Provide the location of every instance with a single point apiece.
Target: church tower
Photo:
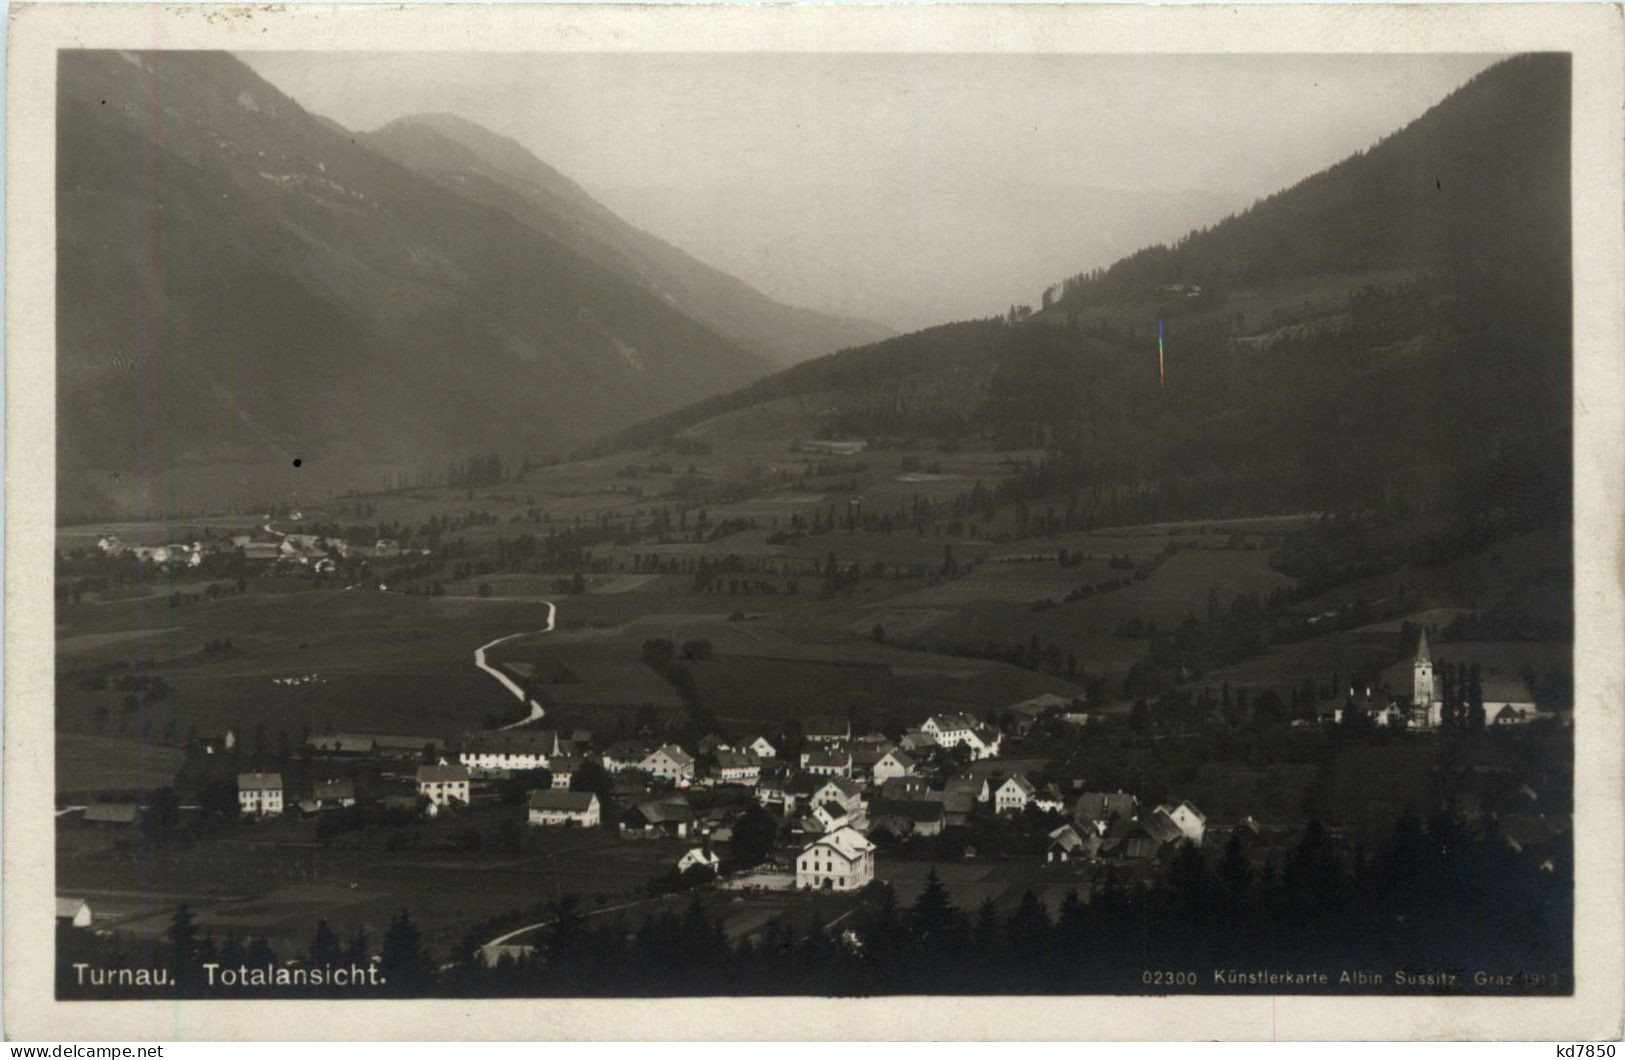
(1422, 672)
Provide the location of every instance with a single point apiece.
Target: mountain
(497, 171)
(1393, 331)
(241, 284)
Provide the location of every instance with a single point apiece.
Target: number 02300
(1156, 978)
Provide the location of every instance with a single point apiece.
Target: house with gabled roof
(699, 858)
(501, 752)
(842, 860)
(918, 742)
(830, 815)
(259, 793)
(74, 911)
(671, 816)
(905, 788)
(1068, 843)
(950, 729)
(550, 806)
(848, 793)
(825, 728)
(827, 761)
(977, 788)
(563, 770)
(1192, 823)
(1103, 807)
(671, 764)
(894, 763)
(907, 817)
(330, 793)
(759, 746)
(624, 754)
(983, 743)
(1014, 794)
(443, 785)
(738, 767)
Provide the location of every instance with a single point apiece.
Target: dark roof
(112, 812)
(333, 789)
(430, 774)
(1101, 805)
(542, 742)
(660, 811)
(826, 725)
(912, 809)
(259, 781)
(1160, 826)
(822, 757)
(568, 801)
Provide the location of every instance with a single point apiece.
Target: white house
(670, 762)
(827, 761)
(1014, 794)
(738, 767)
(698, 857)
(443, 785)
(1191, 821)
(504, 751)
(627, 754)
(75, 911)
(983, 743)
(759, 746)
(259, 793)
(898, 763)
(839, 790)
(842, 860)
(949, 730)
(564, 769)
(1066, 843)
(550, 806)
(830, 815)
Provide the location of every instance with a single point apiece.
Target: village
(822, 806)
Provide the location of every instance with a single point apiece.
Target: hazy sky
(911, 189)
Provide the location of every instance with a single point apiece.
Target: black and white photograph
(549, 524)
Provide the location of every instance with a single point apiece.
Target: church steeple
(1422, 671)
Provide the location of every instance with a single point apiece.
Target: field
(86, 765)
(808, 615)
(274, 878)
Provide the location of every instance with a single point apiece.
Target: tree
(878, 633)
(403, 963)
(325, 947)
(184, 946)
(753, 836)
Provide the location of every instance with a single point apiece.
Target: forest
(1448, 888)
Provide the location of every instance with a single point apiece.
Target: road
(536, 709)
(516, 932)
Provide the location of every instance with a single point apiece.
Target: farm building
(113, 814)
(499, 753)
(907, 817)
(670, 763)
(658, 817)
(824, 728)
(552, 807)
